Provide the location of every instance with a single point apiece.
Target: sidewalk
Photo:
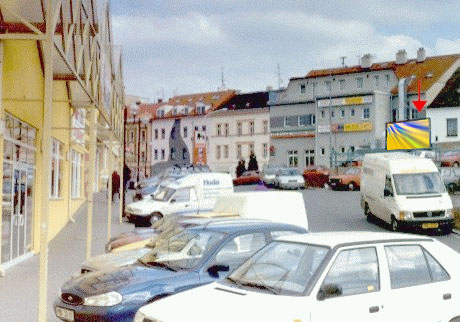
(19, 288)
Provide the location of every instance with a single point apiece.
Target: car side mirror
(215, 269)
(172, 200)
(387, 193)
(328, 291)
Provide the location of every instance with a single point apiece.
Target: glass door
(7, 202)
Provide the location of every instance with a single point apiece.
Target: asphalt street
(329, 210)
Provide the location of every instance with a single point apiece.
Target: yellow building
(61, 98)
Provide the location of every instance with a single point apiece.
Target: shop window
(76, 167)
(56, 169)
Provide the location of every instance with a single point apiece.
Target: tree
(252, 165)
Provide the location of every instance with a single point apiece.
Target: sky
(181, 47)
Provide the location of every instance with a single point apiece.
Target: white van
(189, 195)
(406, 191)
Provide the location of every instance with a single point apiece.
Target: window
(156, 134)
(332, 114)
(352, 112)
(302, 88)
(376, 81)
(218, 130)
(173, 154)
(240, 128)
(282, 233)
(314, 86)
(226, 129)
(411, 265)
(265, 150)
(342, 149)
(341, 84)
(359, 82)
(162, 154)
(355, 271)
(200, 109)
(239, 249)
(238, 151)
(342, 113)
(56, 169)
(366, 113)
(323, 114)
(293, 159)
(131, 136)
(291, 121)
(174, 111)
(306, 120)
(265, 126)
(185, 110)
(142, 156)
(196, 128)
(313, 119)
(181, 195)
(328, 86)
(185, 132)
(155, 154)
(218, 152)
(76, 174)
(251, 127)
(184, 154)
(163, 133)
(352, 148)
(251, 148)
(309, 158)
(226, 151)
(387, 78)
(203, 127)
(452, 127)
(323, 151)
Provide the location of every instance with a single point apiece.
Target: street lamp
(145, 119)
(134, 109)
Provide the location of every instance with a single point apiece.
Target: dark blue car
(196, 256)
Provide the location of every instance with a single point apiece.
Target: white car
(268, 176)
(288, 178)
(324, 277)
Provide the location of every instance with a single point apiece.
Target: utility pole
(278, 73)
(222, 86)
(342, 58)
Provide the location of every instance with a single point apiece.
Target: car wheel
(456, 164)
(367, 211)
(351, 186)
(394, 224)
(451, 188)
(447, 231)
(155, 217)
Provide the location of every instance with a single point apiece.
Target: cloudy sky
(178, 47)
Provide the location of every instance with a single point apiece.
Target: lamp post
(145, 119)
(134, 109)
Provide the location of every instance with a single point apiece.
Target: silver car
(268, 176)
(288, 178)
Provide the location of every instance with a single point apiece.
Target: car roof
(245, 224)
(333, 239)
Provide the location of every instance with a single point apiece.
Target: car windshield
(163, 194)
(418, 183)
(289, 172)
(352, 171)
(270, 171)
(182, 251)
(282, 268)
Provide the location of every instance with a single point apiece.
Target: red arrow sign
(419, 104)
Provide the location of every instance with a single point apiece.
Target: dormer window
(185, 110)
(174, 111)
(160, 113)
(200, 109)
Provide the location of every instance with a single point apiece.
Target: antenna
(222, 77)
(342, 58)
(278, 73)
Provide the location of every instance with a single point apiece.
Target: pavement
(19, 288)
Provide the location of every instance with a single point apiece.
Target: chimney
(160, 100)
(421, 55)
(401, 57)
(366, 61)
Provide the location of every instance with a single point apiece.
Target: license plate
(430, 225)
(67, 315)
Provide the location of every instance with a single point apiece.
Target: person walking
(115, 184)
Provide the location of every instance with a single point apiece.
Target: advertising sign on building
(357, 127)
(77, 133)
(324, 128)
(341, 101)
(199, 147)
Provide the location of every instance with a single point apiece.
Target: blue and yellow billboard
(413, 134)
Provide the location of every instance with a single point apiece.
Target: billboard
(411, 134)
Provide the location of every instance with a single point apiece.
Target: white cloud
(445, 46)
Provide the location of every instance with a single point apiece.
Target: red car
(248, 177)
(316, 176)
(450, 159)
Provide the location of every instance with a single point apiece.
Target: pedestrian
(126, 179)
(240, 168)
(115, 184)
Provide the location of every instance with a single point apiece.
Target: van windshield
(418, 183)
(163, 194)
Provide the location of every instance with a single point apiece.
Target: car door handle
(374, 309)
(447, 296)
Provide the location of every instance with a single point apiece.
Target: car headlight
(449, 213)
(405, 215)
(106, 299)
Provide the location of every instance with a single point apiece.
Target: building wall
(439, 118)
(258, 139)
(22, 97)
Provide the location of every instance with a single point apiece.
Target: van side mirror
(387, 193)
(215, 269)
(328, 291)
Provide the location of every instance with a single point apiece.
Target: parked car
(197, 256)
(450, 159)
(248, 177)
(316, 176)
(289, 178)
(350, 180)
(268, 176)
(324, 277)
(406, 192)
(451, 178)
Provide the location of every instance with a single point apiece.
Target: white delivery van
(405, 191)
(189, 195)
(281, 206)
